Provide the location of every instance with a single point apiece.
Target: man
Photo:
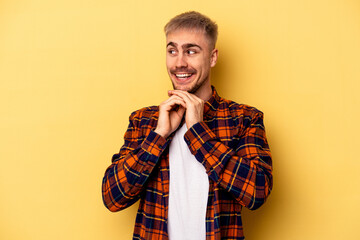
(196, 159)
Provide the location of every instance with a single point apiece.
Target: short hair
(196, 21)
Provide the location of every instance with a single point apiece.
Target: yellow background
(72, 71)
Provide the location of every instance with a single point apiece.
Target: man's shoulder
(240, 109)
(145, 112)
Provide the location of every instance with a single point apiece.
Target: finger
(191, 96)
(172, 98)
(171, 92)
(175, 101)
(181, 111)
(184, 95)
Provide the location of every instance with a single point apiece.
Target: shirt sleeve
(244, 170)
(124, 179)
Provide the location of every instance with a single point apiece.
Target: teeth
(183, 75)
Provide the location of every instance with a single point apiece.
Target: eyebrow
(188, 45)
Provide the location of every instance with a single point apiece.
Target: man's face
(189, 59)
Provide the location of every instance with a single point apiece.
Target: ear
(213, 57)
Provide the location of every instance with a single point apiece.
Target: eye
(171, 51)
(190, 52)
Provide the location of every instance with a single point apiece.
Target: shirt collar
(212, 104)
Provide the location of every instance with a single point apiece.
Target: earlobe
(214, 56)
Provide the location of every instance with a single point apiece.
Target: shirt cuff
(197, 135)
(154, 144)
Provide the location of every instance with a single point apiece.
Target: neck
(205, 91)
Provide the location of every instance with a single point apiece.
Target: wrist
(161, 133)
(190, 124)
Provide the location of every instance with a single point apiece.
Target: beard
(191, 89)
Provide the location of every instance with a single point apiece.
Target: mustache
(182, 70)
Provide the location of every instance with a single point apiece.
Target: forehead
(187, 36)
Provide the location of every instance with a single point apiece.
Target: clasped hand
(172, 110)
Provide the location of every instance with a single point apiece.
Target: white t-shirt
(188, 192)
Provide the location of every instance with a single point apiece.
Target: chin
(190, 87)
(183, 88)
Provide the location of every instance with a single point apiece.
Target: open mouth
(183, 76)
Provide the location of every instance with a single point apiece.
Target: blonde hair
(194, 21)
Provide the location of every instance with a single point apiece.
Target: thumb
(181, 111)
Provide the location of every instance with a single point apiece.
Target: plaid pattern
(231, 145)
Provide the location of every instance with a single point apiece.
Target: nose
(181, 61)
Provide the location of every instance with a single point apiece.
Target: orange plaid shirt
(231, 145)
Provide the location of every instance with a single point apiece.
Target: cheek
(170, 62)
(195, 63)
(203, 65)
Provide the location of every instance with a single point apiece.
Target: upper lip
(182, 71)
